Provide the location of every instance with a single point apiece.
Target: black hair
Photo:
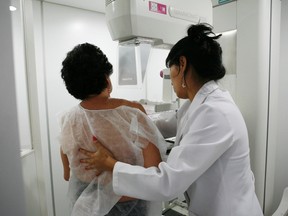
(202, 52)
(85, 70)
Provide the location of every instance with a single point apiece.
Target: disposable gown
(125, 131)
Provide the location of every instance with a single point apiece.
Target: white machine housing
(160, 23)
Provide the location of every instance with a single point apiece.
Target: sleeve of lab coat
(207, 136)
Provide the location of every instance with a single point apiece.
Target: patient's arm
(151, 153)
(151, 156)
(65, 164)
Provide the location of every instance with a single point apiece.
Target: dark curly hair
(85, 70)
(201, 50)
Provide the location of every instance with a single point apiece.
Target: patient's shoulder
(134, 104)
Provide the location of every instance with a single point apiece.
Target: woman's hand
(102, 159)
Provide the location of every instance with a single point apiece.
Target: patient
(121, 125)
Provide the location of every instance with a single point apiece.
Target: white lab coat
(210, 161)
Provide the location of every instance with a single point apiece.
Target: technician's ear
(183, 63)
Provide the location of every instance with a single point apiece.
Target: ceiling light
(12, 8)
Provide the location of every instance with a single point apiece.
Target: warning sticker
(157, 7)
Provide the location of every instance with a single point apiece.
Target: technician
(210, 162)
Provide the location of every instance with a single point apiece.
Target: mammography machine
(158, 22)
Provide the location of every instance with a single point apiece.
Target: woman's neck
(95, 102)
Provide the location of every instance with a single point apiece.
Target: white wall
(244, 84)
(253, 65)
(20, 76)
(43, 148)
(31, 185)
(262, 93)
(277, 175)
(12, 201)
(261, 87)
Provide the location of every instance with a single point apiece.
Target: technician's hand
(102, 159)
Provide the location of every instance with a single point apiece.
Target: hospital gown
(125, 131)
